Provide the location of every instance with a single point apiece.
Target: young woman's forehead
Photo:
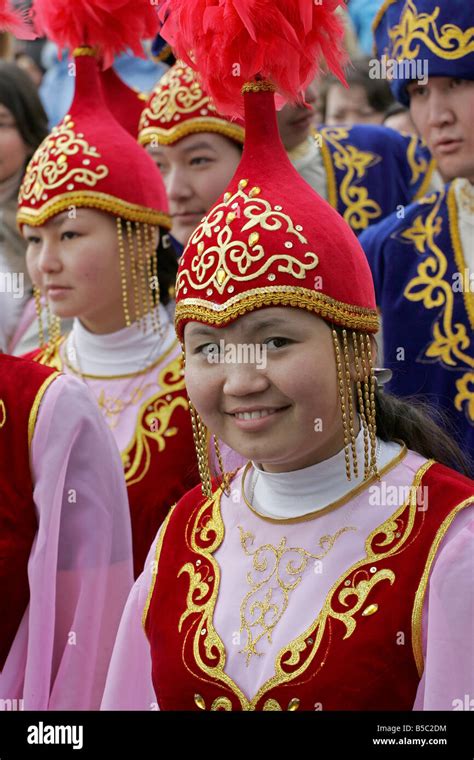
(278, 317)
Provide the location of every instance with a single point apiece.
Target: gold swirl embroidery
(155, 418)
(50, 167)
(268, 560)
(155, 422)
(465, 394)
(234, 259)
(178, 93)
(419, 165)
(451, 342)
(359, 590)
(449, 42)
(3, 413)
(359, 208)
(360, 586)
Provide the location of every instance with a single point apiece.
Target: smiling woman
(268, 585)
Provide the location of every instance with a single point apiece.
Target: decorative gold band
(170, 136)
(83, 51)
(91, 199)
(36, 405)
(345, 315)
(262, 86)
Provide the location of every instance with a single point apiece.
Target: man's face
(443, 112)
(295, 122)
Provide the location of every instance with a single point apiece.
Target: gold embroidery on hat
(240, 258)
(50, 168)
(449, 42)
(179, 92)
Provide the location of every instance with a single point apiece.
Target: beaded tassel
(342, 396)
(123, 272)
(133, 269)
(37, 297)
(365, 389)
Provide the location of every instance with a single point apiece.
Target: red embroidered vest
(22, 385)
(352, 658)
(160, 463)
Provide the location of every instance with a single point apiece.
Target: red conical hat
(89, 160)
(178, 107)
(125, 103)
(270, 239)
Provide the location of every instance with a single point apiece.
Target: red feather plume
(113, 26)
(230, 42)
(16, 22)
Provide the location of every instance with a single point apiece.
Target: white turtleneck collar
(126, 351)
(292, 494)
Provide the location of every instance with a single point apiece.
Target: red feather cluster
(230, 42)
(113, 26)
(15, 21)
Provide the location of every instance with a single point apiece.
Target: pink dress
(80, 566)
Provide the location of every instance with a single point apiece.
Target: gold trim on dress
(212, 641)
(416, 624)
(354, 163)
(36, 405)
(157, 408)
(159, 544)
(335, 504)
(458, 250)
(449, 343)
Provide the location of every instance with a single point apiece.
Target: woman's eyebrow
(197, 146)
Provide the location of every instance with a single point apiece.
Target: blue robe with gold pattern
(427, 303)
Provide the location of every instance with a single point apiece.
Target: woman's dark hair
(423, 428)
(379, 95)
(19, 94)
(167, 266)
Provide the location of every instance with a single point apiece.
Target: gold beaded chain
(123, 272)
(143, 265)
(201, 444)
(361, 404)
(132, 260)
(365, 385)
(342, 402)
(37, 297)
(351, 404)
